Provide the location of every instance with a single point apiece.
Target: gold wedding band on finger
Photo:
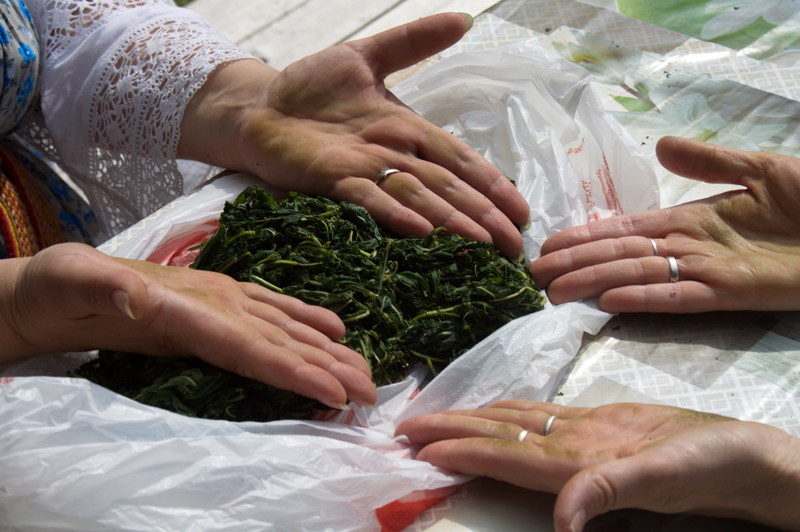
(548, 426)
(655, 247)
(383, 174)
(673, 269)
(522, 435)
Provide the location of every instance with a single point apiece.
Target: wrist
(771, 495)
(216, 117)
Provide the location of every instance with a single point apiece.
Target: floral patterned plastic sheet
(729, 75)
(765, 30)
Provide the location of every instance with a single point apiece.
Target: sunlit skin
(327, 125)
(71, 297)
(650, 457)
(739, 250)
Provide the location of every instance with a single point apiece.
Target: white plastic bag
(74, 456)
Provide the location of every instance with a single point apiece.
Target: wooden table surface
(282, 31)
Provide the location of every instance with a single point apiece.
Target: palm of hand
(586, 437)
(327, 125)
(581, 438)
(616, 456)
(335, 115)
(747, 247)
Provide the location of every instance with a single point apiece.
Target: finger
(447, 151)
(510, 461)
(444, 201)
(417, 201)
(595, 280)
(421, 199)
(249, 354)
(309, 324)
(357, 383)
(708, 162)
(259, 350)
(681, 297)
(406, 45)
(304, 334)
(531, 420)
(461, 198)
(456, 174)
(652, 224)
(319, 318)
(555, 264)
(386, 210)
(551, 409)
(541, 421)
(434, 427)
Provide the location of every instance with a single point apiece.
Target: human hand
(739, 250)
(71, 297)
(649, 457)
(327, 125)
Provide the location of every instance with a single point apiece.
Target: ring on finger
(548, 426)
(522, 435)
(383, 174)
(655, 247)
(674, 274)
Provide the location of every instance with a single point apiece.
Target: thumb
(117, 289)
(86, 281)
(643, 481)
(708, 162)
(406, 45)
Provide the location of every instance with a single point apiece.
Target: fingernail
(123, 303)
(578, 521)
(468, 19)
(338, 406)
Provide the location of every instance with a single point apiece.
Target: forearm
(775, 501)
(214, 120)
(754, 477)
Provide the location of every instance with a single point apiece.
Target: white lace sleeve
(116, 76)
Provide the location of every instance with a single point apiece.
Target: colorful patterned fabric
(27, 223)
(37, 207)
(20, 62)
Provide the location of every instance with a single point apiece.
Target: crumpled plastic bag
(74, 456)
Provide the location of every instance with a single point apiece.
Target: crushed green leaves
(404, 301)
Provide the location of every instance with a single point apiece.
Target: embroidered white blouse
(116, 76)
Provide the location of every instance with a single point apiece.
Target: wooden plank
(413, 9)
(314, 26)
(241, 19)
(283, 31)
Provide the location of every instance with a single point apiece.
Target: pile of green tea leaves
(404, 301)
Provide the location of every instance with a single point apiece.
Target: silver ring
(549, 425)
(522, 435)
(673, 269)
(655, 248)
(383, 174)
